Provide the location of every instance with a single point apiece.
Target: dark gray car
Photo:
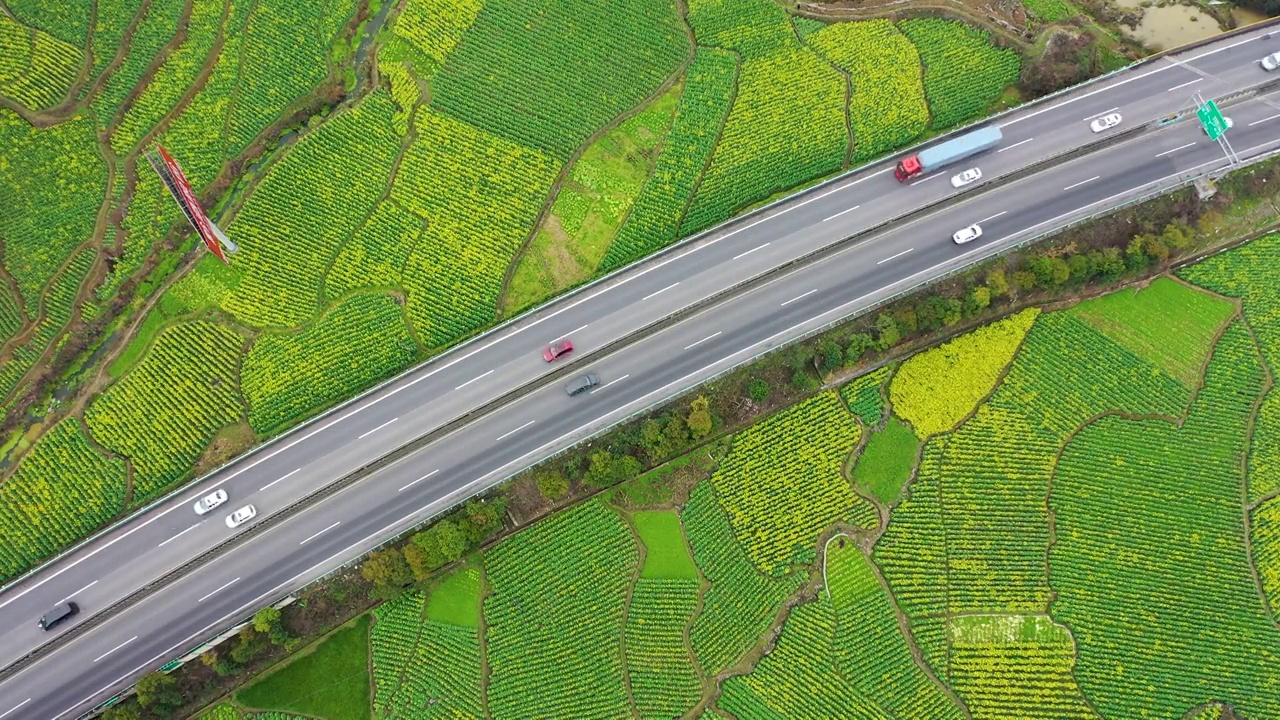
(59, 613)
(582, 384)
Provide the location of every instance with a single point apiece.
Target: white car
(241, 516)
(210, 501)
(966, 177)
(1270, 62)
(1106, 122)
(973, 232)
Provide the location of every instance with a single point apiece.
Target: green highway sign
(1211, 118)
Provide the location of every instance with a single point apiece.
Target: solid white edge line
(892, 257)
(763, 343)
(615, 380)
(993, 217)
(1082, 182)
(1174, 150)
(180, 534)
(513, 432)
(842, 212)
(415, 482)
(798, 297)
(758, 247)
(15, 707)
(478, 377)
(215, 592)
(696, 344)
(1185, 84)
(286, 476)
(659, 292)
(1010, 147)
(1162, 68)
(377, 428)
(313, 537)
(126, 642)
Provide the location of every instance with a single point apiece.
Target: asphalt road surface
(90, 667)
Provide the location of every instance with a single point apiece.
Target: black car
(60, 612)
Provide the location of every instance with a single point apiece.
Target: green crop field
(503, 151)
(1078, 543)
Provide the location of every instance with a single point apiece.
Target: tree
(449, 538)
(676, 434)
(651, 438)
(1107, 262)
(1080, 267)
(269, 621)
(1155, 249)
(859, 344)
(888, 333)
(626, 467)
(1135, 255)
(483, 518)
(997, 283)
(552, 484)
(758, 390)
(930, 312)
(248, 643)
(907, 320)
(1024, 279)
(951, 311)
(123, 711)
(1177, 235)
(830, 355)
(421, 562)
(219, 662)
(387, 570)
(158, 691)
(1050, 272)
(977, 300)
(600, 469)
(700, 422)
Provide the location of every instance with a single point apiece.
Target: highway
(286, 555)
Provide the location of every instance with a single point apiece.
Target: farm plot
(886, 461)
(434, 27)
(66, 20)
(62, 491)
(36, 69)
(887, 107)
(686, 150)
(865, 395)
(787, 122)
(1145, 509)
(157, 28)
(164, 412)
(555, 615)
(659, 664)
(741, 602)
(374, 257)
(357, 343)
(1006, 666)
(302, 212)
(546, 76)
(480, 195)
(934, 390)
(1166, 322)
(45, 221)
(782, 482)
(870, 650)
(963, 71)
(329, 681)
(1252, 273)
(1264, 528)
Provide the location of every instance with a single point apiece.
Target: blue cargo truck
(953, 150)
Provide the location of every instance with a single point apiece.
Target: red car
(556, 349)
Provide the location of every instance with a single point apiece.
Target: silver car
(1106, 122)
(210, 501)
(969, 234)
(966, 177)
(241, 516)
(1271, 62)
(582, 384)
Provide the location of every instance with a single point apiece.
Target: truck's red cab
(908, 167)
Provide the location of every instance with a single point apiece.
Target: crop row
(934, 390)
(870, 650)
(288, 377)
(304, 209)
(663, 682)
(1264, 528)
(167, 409)
(963, 72)
(782, 482)
(481, 195)
(1015, 666)
(158, 25)
(865, 395)
(1150, 565)
(547, 76)
(887, 107)
(442, 679)
(741, 602)
(36, 70)
(434, 27)
(1251, 272)
(393, 643)
(174, 78)
(798, 679)
(11, 316)
(686, 149)
(555, 615)
(63, 490)
(376, 253)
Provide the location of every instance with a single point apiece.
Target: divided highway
(70, 679)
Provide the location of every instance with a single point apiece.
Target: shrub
(758, 390)
(700, 422)
(859, 344)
